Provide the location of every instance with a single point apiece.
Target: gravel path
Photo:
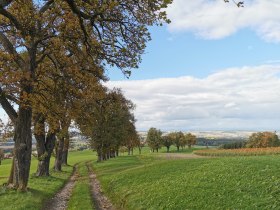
(60, 200)
(101, 202)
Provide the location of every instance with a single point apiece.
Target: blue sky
(215, 67)
(183, 53)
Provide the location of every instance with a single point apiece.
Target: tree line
(256, 140)
(53, 61)
(156, 139)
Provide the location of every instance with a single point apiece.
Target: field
(151, 181)
(147, 182)
(239, 152)
(41, 189)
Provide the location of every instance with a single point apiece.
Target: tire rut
(101, 202)
(60, 200)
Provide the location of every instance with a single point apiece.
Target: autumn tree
(190, 139)
(98, 32)
(2, 155)
(140, 143)
(109, 123)
(167, 141)
(154, 139)
(263, 139)
(177, 139)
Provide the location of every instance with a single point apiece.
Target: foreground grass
(142, 182)
(40, 189)
(81, 196)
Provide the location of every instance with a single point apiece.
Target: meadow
(150, 181)
(40, 189)
(239, 152)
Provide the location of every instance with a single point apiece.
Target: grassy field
(146, 182)
(150, 181)
(239, 152)
(40, 189)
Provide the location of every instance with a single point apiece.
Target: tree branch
(9, 109)
(46, 6)
(11, 50)
(11, 18)
(5, 3)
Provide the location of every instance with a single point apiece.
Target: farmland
(149, 182)
(152, 181)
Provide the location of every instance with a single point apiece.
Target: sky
(215, 67)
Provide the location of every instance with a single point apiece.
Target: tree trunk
(168, 149)
(139, 150)
(58, 157)
(44, 163)
(157, 149)
(99, 156)
(11, 177)
(65, 150)
(132, 151)
(178, 148)
(22, 149)
(117, 153)
(189, 146)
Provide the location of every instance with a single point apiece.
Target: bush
(262, 140)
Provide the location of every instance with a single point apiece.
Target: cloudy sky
(215, 67)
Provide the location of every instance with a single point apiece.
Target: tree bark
(58, 157)
(45, 145)
(65, 150)
(43, 168)
(168, 149)
(22, 150)
(178, 148)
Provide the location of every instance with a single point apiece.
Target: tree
(191, 139)
(109, 123)
(177, 138)
(167, 142)
(154, 139)
(140, 143)
(92, 33)
(263, 139)
(2, 155)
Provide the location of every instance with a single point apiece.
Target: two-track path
(60, 200)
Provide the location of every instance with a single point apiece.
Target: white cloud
(213, 19)
(236, 98)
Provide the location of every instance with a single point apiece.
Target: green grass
(142, 182)
(40, 189)
(81, 197)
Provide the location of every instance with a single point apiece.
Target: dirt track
(60, 200)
